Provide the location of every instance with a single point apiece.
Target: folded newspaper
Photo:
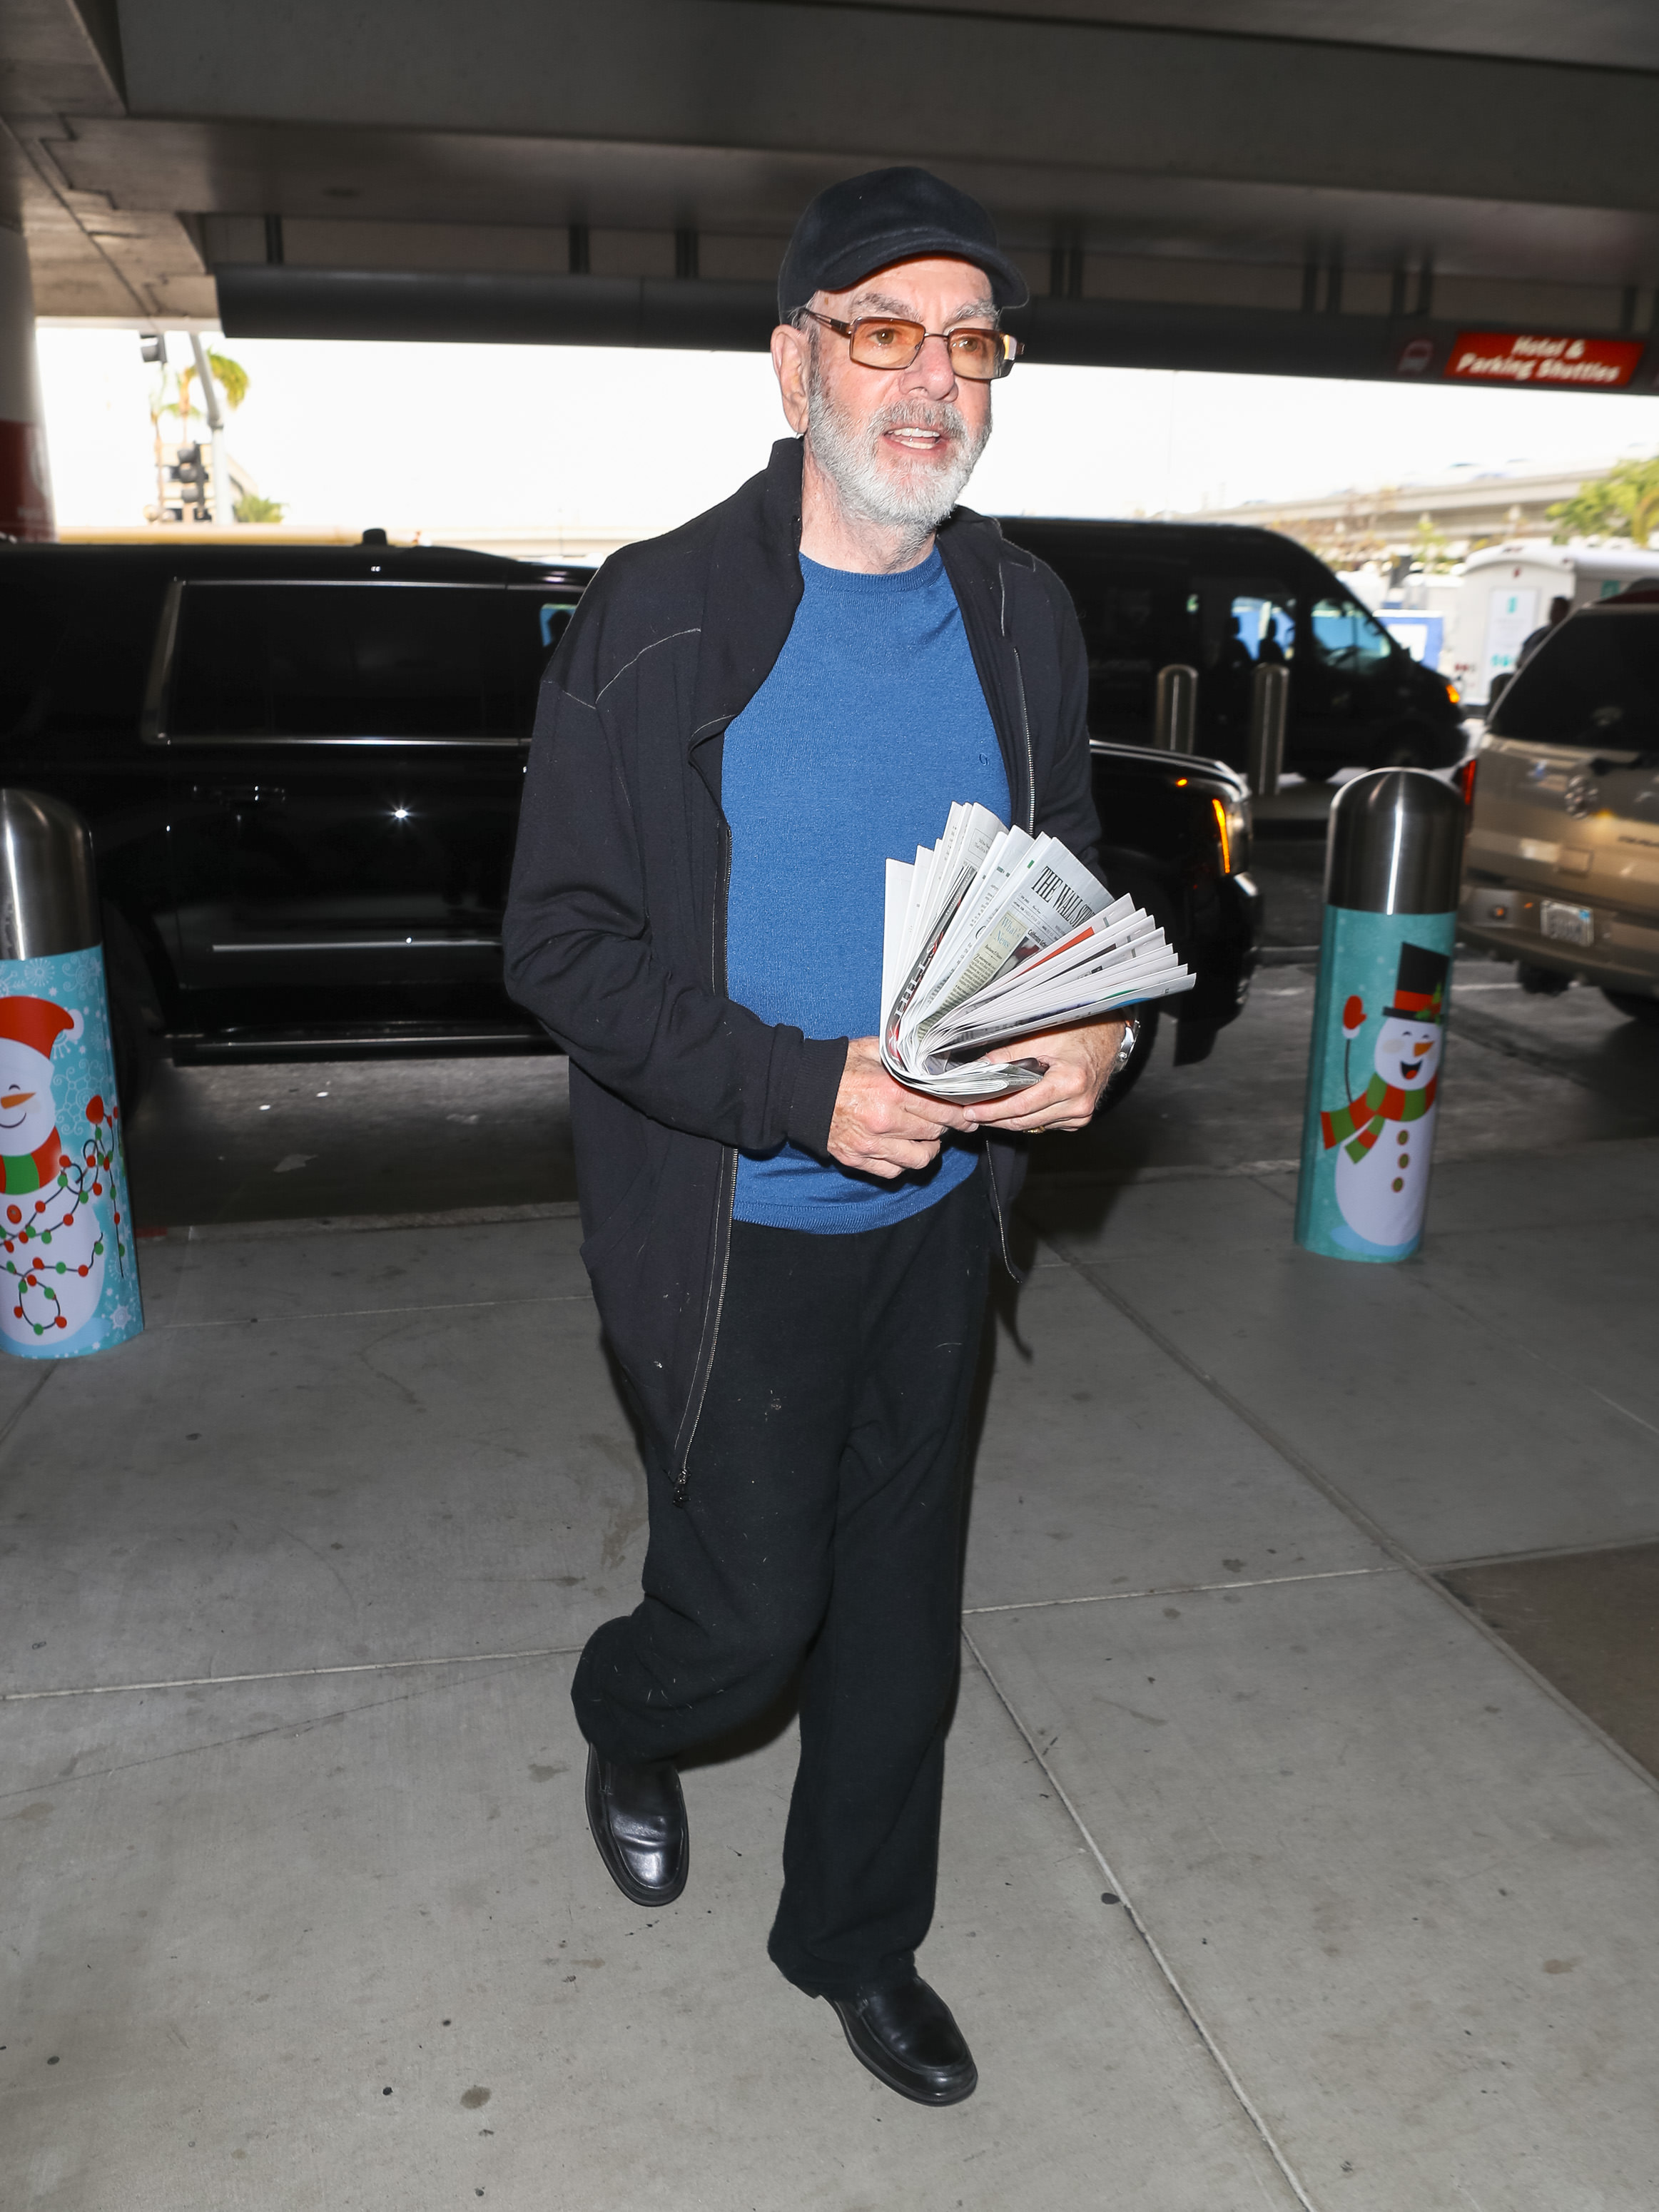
(992, 936)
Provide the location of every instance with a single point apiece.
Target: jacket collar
(753, 589)
(978, 559)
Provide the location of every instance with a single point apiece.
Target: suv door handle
(242, 794)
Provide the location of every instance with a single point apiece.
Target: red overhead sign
(1514, 357)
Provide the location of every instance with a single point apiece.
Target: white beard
(915, 498)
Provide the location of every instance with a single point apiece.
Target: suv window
(1134, 620)
(24, 649)
(538, 618)
(74, 650)
(346, 660)
(1595, 681)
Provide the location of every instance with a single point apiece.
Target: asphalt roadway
(1302, 1813)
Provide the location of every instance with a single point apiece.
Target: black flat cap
(867, 223)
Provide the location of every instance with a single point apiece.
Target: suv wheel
(132, 1050)
(1541, 982)
(1639, 1009)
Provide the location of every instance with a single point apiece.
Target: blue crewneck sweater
(870, 725)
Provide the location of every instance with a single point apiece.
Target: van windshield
(1594, 682)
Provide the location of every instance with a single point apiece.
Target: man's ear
(789, 363)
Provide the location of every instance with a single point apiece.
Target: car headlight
(1232, 829)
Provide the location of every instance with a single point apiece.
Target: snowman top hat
(35, 1022)
(1419, 990)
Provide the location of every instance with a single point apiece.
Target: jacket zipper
(1002, 1227)
(1019, 693)
(726, 1201)
(1030, 821)
(728, 1184)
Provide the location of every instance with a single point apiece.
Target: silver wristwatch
(1126, 1050)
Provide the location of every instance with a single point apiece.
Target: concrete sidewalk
(1271, 1876)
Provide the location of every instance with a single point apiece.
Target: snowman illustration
(1387, 1132)
(53, 1241)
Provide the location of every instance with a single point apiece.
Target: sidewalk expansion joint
(1350, 1508)
(333, 1225)
(291, 1674)
(1547, 1552)
(1182, 1589)
(1200, 2028)
(370, 1313)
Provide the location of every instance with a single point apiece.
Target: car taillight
(1463, 777)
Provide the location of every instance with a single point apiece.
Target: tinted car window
(74, 650)
(25, 650)
(344, 661)
(1345, 635)
(536, 621)
(1594, 682)
(1240, 619)
(1135, 621)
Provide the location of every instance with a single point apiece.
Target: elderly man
(788, 1250)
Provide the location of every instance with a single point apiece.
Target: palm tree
(230, 375)
(1622, 503)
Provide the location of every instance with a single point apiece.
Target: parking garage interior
(1301, 1811)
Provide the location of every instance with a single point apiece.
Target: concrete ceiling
(1284, 184)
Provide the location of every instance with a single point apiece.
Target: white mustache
(920, 415)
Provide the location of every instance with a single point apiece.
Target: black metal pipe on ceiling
(704, 315)
(701, 313)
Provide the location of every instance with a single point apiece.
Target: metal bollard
(69, 1282)
(1174, 720)
(1392, 859)
(1270, 702)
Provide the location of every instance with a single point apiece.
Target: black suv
(303, 770)
(1218, 599)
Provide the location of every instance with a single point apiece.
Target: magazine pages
(992, 935)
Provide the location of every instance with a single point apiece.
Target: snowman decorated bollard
(1392, 859)
(68, 1283)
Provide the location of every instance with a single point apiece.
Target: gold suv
(1561, 861)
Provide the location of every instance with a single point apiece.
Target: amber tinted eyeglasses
(890, 341)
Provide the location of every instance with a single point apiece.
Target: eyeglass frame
(1012, 347)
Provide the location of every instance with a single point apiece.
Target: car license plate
(1567, 925)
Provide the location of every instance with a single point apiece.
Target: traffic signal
(190, 471)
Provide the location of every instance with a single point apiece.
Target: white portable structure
(1506, 594)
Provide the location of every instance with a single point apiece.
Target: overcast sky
(445, 438)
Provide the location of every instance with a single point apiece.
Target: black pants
(822, 1524)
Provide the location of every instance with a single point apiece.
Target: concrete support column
(25, 508)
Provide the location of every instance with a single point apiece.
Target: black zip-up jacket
(615, 932)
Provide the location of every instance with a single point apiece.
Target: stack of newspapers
(992, 935)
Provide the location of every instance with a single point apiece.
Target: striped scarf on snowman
(1362, 1119)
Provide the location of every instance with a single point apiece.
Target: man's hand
(1079, 1063)
(878, 1127)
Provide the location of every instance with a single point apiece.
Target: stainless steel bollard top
(1175, 714)
(1270, 701)
(48, 878)
(1395, 844)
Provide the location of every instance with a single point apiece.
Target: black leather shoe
(638, 1817)
(905, 2035)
